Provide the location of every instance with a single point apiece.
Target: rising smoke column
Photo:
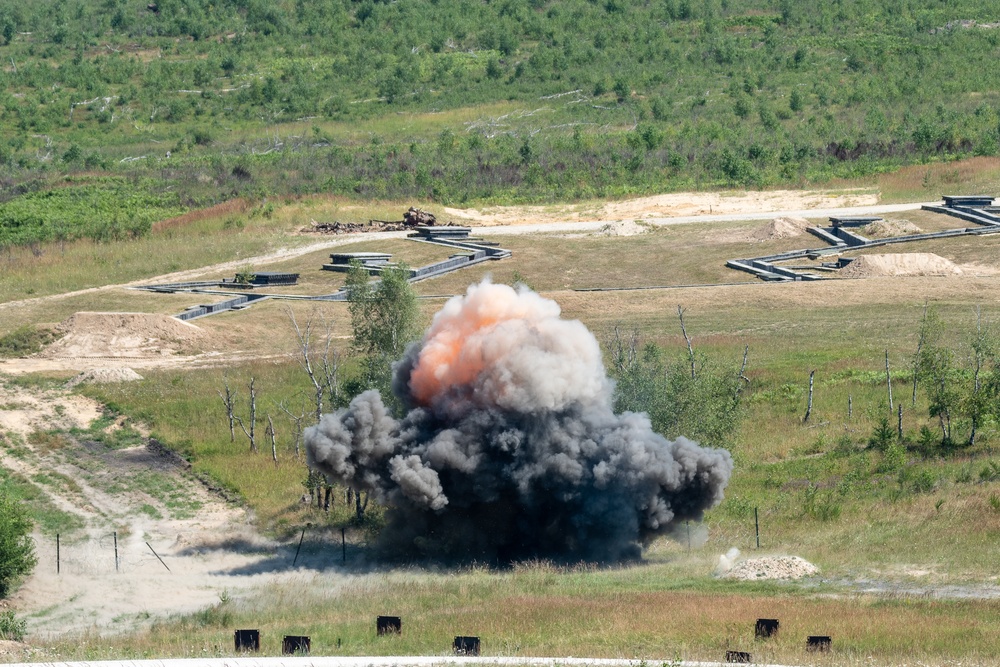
(509, 448)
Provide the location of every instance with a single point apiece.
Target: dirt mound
(104, 375)
(771, 567)
(121, 335)
(623, 228)
(901, 264)
(882, 229)
(780, 228)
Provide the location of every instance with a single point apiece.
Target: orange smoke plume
(497, 341)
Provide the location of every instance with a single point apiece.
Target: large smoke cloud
(509, 448)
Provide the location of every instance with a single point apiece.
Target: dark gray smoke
(509, 449)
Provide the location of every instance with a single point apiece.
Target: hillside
(153, 108)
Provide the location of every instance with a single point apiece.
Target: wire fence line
(100, 554)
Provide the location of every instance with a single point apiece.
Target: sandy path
(138, 495)
(676, 205)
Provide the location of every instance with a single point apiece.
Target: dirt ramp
(901, 264)
(780, 228)
(94, 334)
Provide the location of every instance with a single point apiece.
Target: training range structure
(508, 448)
(840, 237)
(471, 251)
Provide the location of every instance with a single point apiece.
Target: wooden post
(756, 526)
(157, 556)
(899, 423)
(116, 551)
(295, 560)
(809, 407)
(57, 553)
(888, 379)
(850, 406)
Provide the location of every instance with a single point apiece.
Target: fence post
(116, 551)
(57, 553)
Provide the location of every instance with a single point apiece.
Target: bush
(11, 627)
(23, 341)
(17, 551)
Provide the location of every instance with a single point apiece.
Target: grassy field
(820, 492)
(657, 611)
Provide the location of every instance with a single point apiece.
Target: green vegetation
(17, 550)
(11, 627)
(111, 210)
(384, 322)
(149, 113)
(24, 340)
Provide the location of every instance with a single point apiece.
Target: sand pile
(121, 335)
(771, 567)
(104, 375)
(902, 264)
(780, 228)
(882, 229)
(623, 228)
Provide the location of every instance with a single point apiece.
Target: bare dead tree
(624, 352)
(297, 427)
(916, 355)
(745, 381)
(251, 433)
(304, 335)
(331, 370)
(687, 339)
(229, 400)
(809, 406)
(270, 432)
(325, 379)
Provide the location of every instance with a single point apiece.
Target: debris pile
(414, 217)
(124, 374)
(771, 567)
(353, 227)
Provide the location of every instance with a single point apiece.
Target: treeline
(596, 97)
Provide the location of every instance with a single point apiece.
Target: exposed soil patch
(140, 499)
(663, 206)
(882, 229)
(121, 335)
(901, 264)
(623, 228)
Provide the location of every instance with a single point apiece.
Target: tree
(938, 374)
(704, 405)
(17, 551)
(383, 321)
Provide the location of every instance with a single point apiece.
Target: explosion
(509, 448)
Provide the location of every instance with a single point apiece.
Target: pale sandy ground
(681, 204)
(213, 553)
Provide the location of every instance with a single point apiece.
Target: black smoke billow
(509, 449)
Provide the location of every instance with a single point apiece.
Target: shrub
(17, 551)
(23, 341)
(11, 627)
